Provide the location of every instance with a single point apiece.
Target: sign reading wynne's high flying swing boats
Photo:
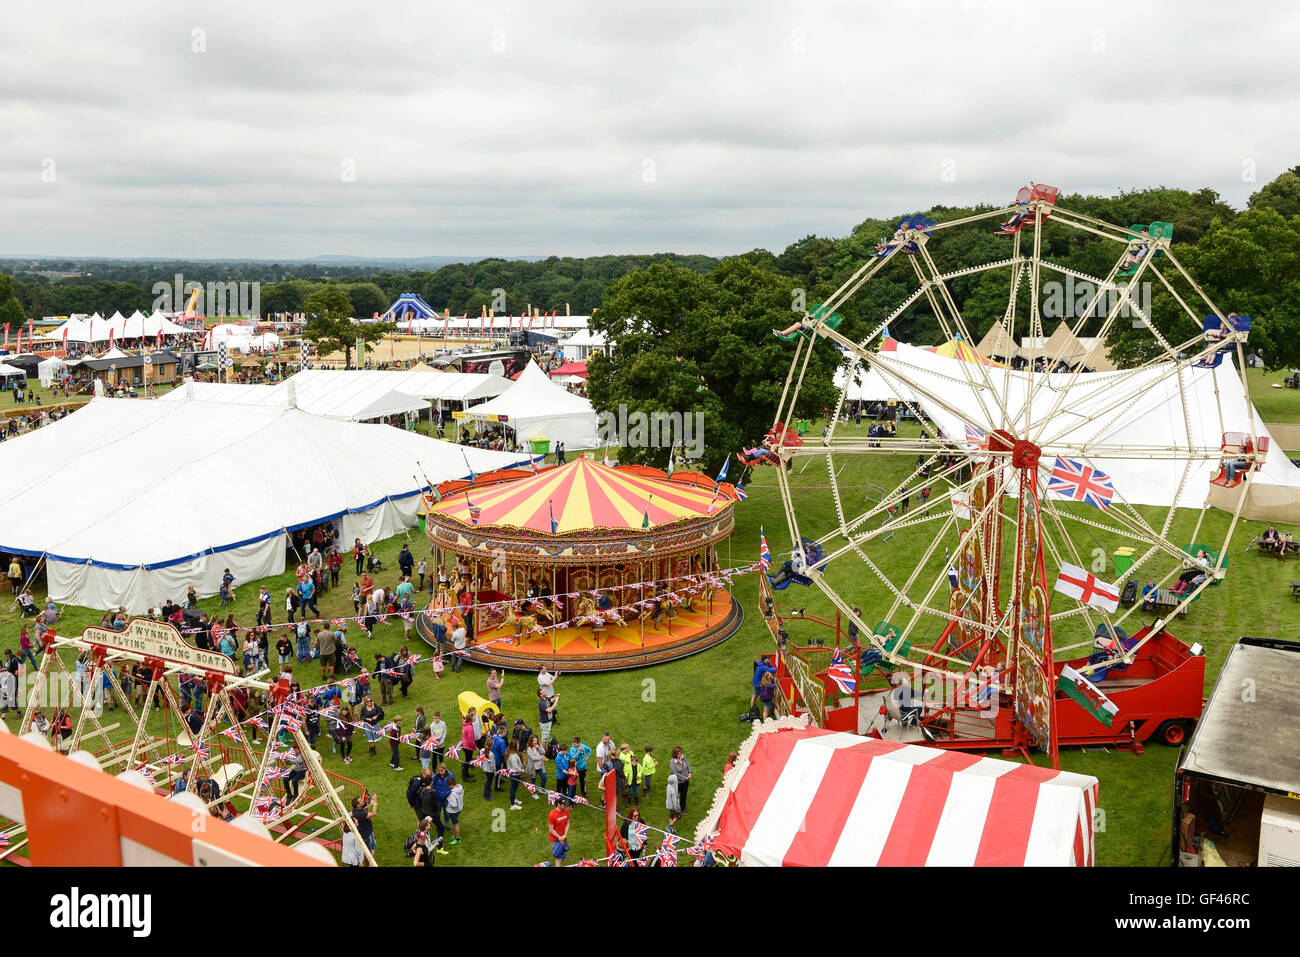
(158, 639)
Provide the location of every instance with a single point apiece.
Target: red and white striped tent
(813, 798)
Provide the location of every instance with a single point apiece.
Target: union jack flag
(480, 760)
(587, 862)
(579, 799)
(976, 439)
(638, 831)
(542, 864)
(764, 556)
(147, 772)
(740, 492)
(618, 860)
(174, 759)
(530, 788)
(841, 674)
(453, 752)
(258, 722)
(275, 774)
(552, 797)
(1082, 483)
(203, 751)
(233, 734)
(668, 851)
(474, 510)
(290, 723)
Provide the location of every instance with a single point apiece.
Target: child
(356, 598)
(648, 767)
(437, 666)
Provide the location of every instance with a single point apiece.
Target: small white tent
(537, 408)
(48, 370)
(205, 487)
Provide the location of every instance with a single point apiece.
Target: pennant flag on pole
(1087, 588)
(645, 516)
(555, 526)
(1091, 698)
(740, 492)
(764, 556)
(669, 473)
(722, 473)
(474, 510)
(472, 477)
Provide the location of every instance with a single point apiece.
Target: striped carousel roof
(585, 495)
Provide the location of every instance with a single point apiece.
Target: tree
(331, 326)
(687, 343)
(11, 312)
(1282, 195)
(367, 299)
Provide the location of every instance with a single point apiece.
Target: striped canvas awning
(585, 495)
(814, 798)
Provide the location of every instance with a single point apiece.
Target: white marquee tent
(1131, 410)
(130, 501)
(87, 329)
(347, 408)
(49, 369)
(462, 387)
(537, 408)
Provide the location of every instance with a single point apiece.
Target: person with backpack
(419, 782)
(418, 845)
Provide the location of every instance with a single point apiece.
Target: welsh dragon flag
(1091, 698)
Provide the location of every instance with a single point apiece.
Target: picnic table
(1295, 589)
(1164, 598)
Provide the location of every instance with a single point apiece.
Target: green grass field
(695, 702)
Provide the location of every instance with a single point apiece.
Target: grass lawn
(695, 702)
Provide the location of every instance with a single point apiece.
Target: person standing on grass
(363, 815)
(546, 713)
(343, 735)
(680, 768)
(419, 782)
(359, 553)
(263, 606)
(335, 564)
(631, 772)
(425, 752)
(557, 830)
(578, 755)
(648, 768)
(468, 744)
(371, 714)
(421, 569)
(393, 732)
(635, 843)
(515, 765)
(459, 643)
(284, 649)
(327, 642)
(494, 683)
(455, 804)
(437, 732)
(536, 755)
(356, 598)
(605, 749)
(290, 604)
(546, 680)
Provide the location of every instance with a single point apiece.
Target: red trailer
(1159, 694)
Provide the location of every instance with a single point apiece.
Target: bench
(1295, 590)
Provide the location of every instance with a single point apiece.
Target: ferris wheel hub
(1024, 454)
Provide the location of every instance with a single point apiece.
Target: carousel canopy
(584, 495)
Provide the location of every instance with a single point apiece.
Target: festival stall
(129, 502)
(804, 797)
(623, 561)
(536, 408)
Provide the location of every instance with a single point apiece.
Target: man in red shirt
(557, 825)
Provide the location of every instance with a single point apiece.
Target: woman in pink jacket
(468, 744)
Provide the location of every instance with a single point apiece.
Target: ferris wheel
(984, 553)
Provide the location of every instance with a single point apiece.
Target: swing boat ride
(974, 625)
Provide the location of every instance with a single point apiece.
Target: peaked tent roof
(815, 798)
(432, 384)
(583, 496)
(535, 407)
(997, 343)
(344, 407)
(1063, 345)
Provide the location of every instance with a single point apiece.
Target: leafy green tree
(11, 312)
(331, 326)
(686, 342)
(367, 299)
(1282, 195)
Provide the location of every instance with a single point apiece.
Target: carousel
(583, 566)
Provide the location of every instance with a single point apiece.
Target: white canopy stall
(537, 408)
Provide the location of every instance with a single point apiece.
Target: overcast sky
(288, 130)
